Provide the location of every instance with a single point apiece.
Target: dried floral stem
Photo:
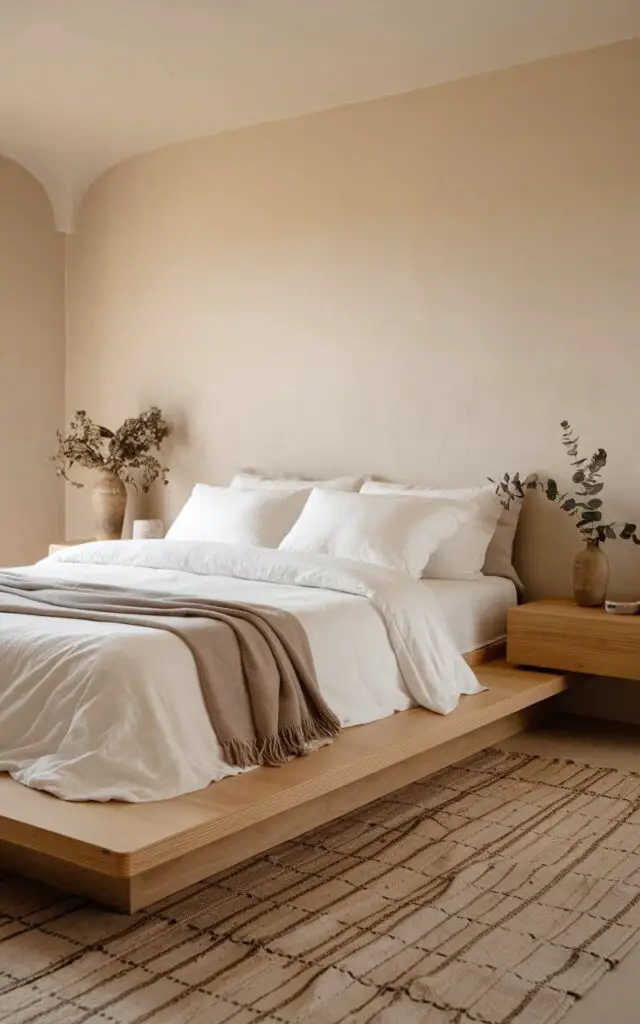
(126, 452)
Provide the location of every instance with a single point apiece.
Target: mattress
(475, 610)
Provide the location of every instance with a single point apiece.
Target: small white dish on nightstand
(622, 607)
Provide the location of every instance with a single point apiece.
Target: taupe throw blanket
(254, 663)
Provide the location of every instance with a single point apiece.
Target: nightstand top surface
(566, 608)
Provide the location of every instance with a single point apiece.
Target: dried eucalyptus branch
(583, 504)
(125, 453)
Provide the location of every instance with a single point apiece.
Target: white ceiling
(87, 83)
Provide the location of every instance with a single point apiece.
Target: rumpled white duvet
(101, 711)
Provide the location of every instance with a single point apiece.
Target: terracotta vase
(109, 505)
(590, 576)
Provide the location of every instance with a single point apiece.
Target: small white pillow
(399, 532)
(461, 556)
(234, 516)
(256, 481)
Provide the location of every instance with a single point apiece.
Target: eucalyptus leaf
(598, 460)
(551, 490)
(583, 507)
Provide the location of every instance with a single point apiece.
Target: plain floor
(616, 998)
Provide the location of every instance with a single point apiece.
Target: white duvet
(92, 710)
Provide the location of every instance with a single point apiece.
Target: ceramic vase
(590, 575)
(109, 504)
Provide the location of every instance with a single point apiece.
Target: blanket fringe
(291, 741)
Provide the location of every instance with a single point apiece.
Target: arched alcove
(32, 349)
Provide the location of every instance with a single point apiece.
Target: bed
(152, 746)
(95, 710)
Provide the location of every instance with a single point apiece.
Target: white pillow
(249, 479)
(399, 532)
(499, 556)
(234, 516)
(461, 556)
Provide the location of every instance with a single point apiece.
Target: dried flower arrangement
(125, 453)
(583, 505)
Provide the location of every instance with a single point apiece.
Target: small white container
(147, 529)
(622, 607)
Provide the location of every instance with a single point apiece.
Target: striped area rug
(497, 891)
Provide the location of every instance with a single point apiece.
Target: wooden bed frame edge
(159, 882)
(84, 848)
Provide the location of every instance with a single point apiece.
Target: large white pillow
(461, 556)
(234, 516)
(397, 531)
(250, 479)
(498, 560)
(499, 557)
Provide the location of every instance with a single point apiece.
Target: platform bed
(127, 856)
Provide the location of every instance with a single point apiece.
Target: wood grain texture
(168, 878)
(67, 875)
(483, 655)
(557, 634)
(239, 816)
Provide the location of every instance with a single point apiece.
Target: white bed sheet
(107, 711)
(475, 610)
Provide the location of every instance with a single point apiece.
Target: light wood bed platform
(130, 855)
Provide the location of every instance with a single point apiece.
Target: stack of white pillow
(430, 533)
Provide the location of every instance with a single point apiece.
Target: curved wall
(32, 355)
(421, 286)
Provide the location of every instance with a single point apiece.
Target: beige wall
(32, 352)
(421, 286)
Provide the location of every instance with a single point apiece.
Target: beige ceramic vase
(590, 576)
(109, 504)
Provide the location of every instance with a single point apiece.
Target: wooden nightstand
(558, 634)
(66, 544)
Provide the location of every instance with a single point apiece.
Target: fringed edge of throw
(290, 741)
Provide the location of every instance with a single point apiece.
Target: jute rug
(498, 891)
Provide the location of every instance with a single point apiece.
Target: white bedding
(474, 610)
(105, 711)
